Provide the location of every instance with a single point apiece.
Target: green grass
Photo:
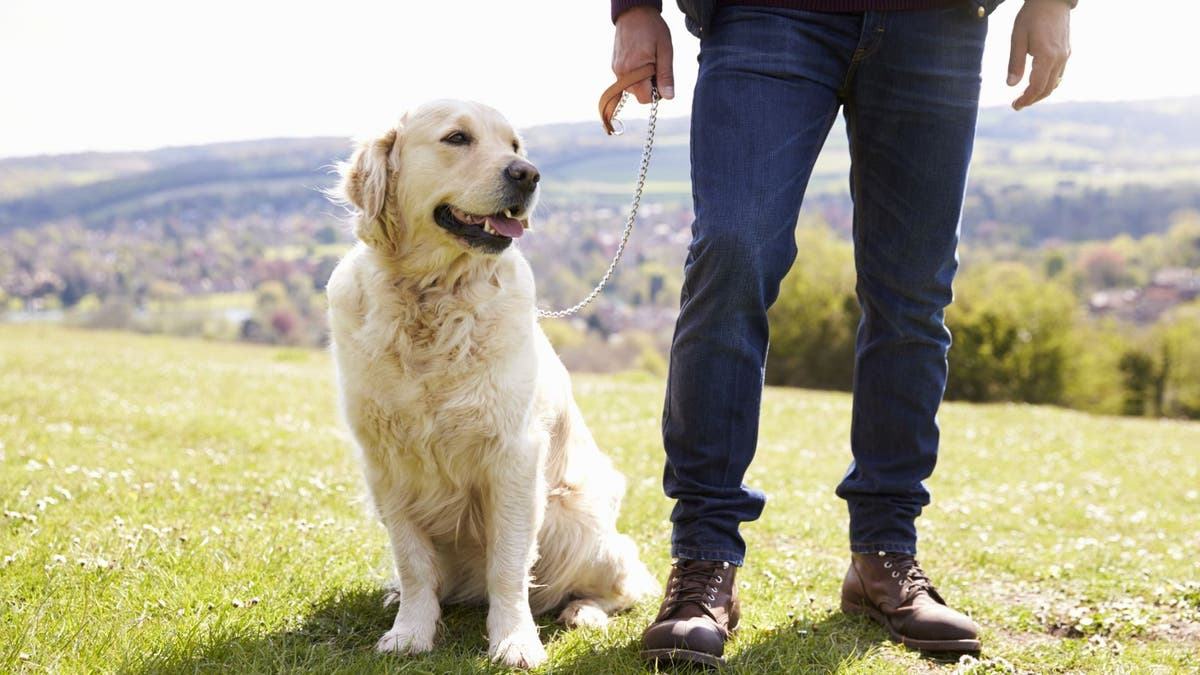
(182, 506)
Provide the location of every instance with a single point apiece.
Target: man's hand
(642, 38)
(1042, 30)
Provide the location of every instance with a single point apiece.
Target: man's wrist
(1068, 3)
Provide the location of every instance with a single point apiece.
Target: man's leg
(910, 109)
(765, 99)
(760, 115)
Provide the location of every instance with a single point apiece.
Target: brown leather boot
(697, 614)
(892, 589)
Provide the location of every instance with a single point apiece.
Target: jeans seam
(883, 546)
(868, 44)
(710, 555)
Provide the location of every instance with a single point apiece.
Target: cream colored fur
(477, 459)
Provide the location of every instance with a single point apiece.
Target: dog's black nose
(523, 174)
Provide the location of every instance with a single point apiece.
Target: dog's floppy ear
(366, 183)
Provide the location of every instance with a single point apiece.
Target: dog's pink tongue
(509, 227)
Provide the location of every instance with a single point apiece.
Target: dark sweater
(619, 6)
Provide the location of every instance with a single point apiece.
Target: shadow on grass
(339, 632)
(804, 646)
(834, 642)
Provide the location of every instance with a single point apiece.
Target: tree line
(1024, 322)
(1084, 324)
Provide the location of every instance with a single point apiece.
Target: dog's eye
(457, 138)
(516, 147)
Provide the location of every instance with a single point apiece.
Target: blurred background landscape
(172, 504)
(1079, 285)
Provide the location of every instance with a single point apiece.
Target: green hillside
(1060, 170)
(97, 188)
(174, 505)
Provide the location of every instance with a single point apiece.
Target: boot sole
(680, 657)
(952, 646)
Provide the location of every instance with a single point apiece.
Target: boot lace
(695, 583)
(911, 578)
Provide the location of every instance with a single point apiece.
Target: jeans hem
(710, 555)
(884, 547)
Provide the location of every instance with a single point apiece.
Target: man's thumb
(1016, 57)
(666, 85)
(664, 78)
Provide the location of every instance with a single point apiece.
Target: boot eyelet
(895, 574)
(888, 564)
(711, 598)
(718, 579)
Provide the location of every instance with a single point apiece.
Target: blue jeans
(770, 85)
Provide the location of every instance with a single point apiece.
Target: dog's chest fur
(449, 369)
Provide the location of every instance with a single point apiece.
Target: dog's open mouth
(491, 233)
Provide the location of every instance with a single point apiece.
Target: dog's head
(452, 174)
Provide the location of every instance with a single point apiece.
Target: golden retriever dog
(476, 457)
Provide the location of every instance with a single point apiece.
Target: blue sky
(135, 74)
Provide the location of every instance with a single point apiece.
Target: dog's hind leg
(615, 581)
(587, 613)
(634, 581)
(417, 616)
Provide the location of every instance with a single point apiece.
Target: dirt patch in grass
(1176, 631)
(1024, 640)
(1171, 614)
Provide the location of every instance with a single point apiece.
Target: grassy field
(183, 506)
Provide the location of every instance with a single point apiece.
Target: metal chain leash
(633, 208)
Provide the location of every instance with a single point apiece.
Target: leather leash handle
(612, 96)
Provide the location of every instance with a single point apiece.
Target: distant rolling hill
(1141, 160)
(97, 187)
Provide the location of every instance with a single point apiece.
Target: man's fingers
(640, 91)
(1041, 83)
(1058, 78)
(664, 79)
(1043, 79)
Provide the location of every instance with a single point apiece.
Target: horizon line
(350, 137)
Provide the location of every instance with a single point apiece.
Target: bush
(814, 321)
(1181, 362)
(1094, 382)
(1013, 337)
(1140, 378)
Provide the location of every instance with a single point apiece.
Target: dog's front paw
(521, 649)
(583, 613)
(406, 639)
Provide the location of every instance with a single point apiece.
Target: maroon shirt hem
(846, 5)
(619, 6)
